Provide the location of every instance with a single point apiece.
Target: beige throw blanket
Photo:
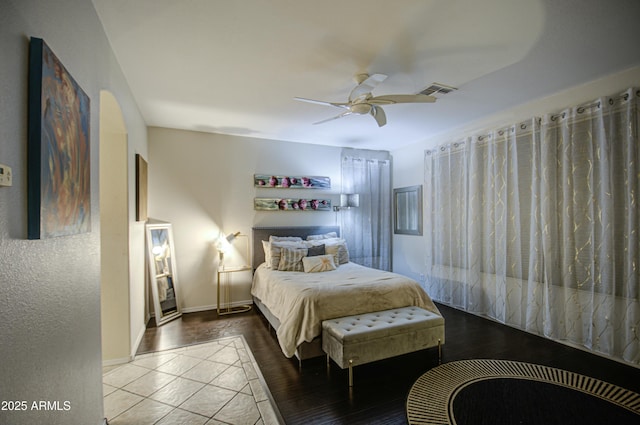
(301, 301)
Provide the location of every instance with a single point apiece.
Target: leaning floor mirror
(163, 277)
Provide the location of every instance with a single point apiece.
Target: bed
(296, 302)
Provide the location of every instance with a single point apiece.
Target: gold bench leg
(350, 373)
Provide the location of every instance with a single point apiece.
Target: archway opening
(114, 233)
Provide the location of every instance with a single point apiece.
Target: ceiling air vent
(437, 88)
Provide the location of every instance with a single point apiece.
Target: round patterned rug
(503, 391)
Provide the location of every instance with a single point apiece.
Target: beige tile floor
(213, 383)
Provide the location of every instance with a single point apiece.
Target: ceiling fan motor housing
(361, 108)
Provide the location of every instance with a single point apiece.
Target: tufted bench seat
(364, 338)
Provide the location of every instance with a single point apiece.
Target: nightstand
(224, 286)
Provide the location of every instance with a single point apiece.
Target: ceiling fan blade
(367, 86)
(379, 115)
(401, 98)
(344, 114)
(321, 102)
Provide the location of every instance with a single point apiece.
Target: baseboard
(136, 345)
(116, 362)
(214, 307)
(197, 309)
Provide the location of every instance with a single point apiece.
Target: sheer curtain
(537, 225)
(367, 228)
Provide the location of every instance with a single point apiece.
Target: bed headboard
(260, 234)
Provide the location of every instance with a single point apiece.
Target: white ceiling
(234, 67)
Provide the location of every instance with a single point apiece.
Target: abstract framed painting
(58, 149)
(141, 188)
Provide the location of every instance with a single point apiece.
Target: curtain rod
(446, 148)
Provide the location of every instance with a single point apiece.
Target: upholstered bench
(364, 338)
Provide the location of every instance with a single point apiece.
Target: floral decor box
(290, 204)
(291, 182)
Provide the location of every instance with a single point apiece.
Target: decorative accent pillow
(319, 263)
(343, 252)
(275, 251)
(291, 259)
(324, 236)
(315, 250)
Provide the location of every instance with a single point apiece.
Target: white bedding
(301, 301)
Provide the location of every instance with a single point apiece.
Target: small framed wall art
(58, 149)
(407, 210)
(141, 188)
(291, 182)
(289, 204)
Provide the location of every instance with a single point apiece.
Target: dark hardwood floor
(314, 396)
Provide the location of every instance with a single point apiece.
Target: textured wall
(50, 296)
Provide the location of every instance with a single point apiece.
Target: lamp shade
(349, 200)
(223, 244)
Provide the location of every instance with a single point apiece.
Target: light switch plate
(6, 179)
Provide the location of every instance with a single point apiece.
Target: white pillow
(323, 236)
(284, 238)
(318, 263)
(266, 246)
(334, 251)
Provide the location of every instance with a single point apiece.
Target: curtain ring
(523, 126)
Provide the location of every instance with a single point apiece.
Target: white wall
(114, 226)
(203, 184)
(50, 305)
(123, 284)
(408, 251)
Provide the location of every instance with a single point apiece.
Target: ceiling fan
(362, 102)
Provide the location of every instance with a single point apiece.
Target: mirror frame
(161, 318)
(400, 209)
